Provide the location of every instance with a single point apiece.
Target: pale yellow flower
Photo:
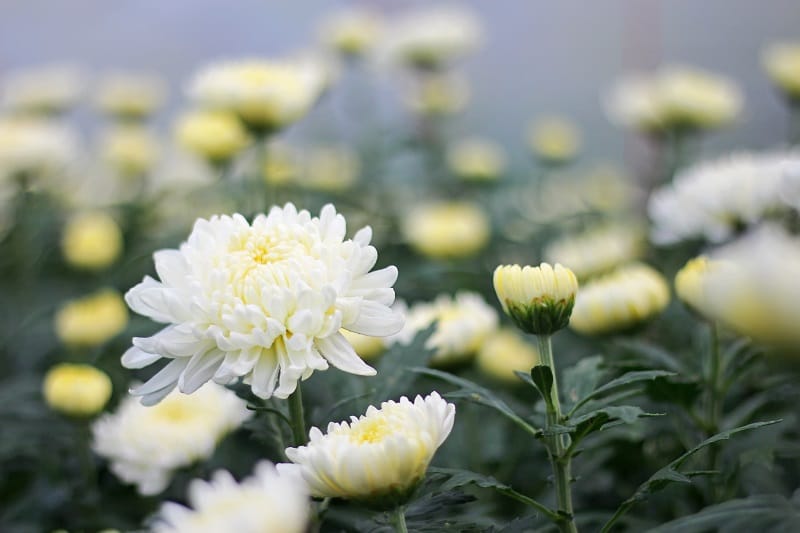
(131, 150)
(447, 230)
(538, 299)
(76, 390)
(439, 94)
(620, 300)
(216, 136)
(378, 458)
(351, 32)
(266, 95)
(91, 240)
(330, 168)
(554, 139)
(782, 63)
(283, 164)
(597, 250)
(44, 90)
(476, 159)
(34, 147)
(129, 95)
(505, 352)
(92, 320)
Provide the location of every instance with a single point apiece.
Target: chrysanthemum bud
(76, 390)
(538, 299)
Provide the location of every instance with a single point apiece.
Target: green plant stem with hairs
(560, 459)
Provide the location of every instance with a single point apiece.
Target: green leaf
(480, 395)
(581, 379)
(761, 512)
(457, 478)
(624, 380)
(393, 380)
(650, 355)
(542, 377)
(603, 418)
(670, 473)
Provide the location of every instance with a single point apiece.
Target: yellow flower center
(370, 430)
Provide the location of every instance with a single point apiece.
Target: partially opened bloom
(554, 139)
(504, 352)
(130, 96)
(693, 281)
(92, 240)
(131, 149)
(262, 301)
(91, 320)
(475, 159)
(597, 250)
(145, 445)
(782, 63)
(266, 95)
(378, 458)
(264, 502)
(620, 300)
(462, 323)
(538, 299)
(76, 390)
(447, 230)
(216, 136)
(432, 38)
(351, 32)
(33, 147)
(44, 90)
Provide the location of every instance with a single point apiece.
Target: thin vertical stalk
(560, 461)
(297, 417)
(399, 520)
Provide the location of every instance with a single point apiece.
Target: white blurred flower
(431, 38)
(620, 300)
(597, 250)
(131, 150)
(714, 199)
(266, 95)
(674, 97)
(476, 159)
(330, 168)
(264, 502)
(130, 95)
(33, 147)
(50, 89)
(145, 445)
(437, 94)
(263, 301)
(462, 324)
(447, 229)
(351, 32)
(378, 458)
(782, 63)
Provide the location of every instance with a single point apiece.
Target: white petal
(376, 320)
(341, 354)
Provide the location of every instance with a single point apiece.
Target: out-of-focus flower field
(384, 320)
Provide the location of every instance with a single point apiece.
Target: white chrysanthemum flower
(447, 229)
(264, 502)
(378, 458)
(476, 159)
(597, 250)
(432, 37)
(266, 95)
(782, 64)
(146, 444)
(33, 147)
(44, 89)
(130, 95)
(462, 324)
(351, 32)
(674, 97)
(713, 199)
(620, 300)
(263, 301)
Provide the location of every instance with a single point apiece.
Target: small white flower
(264, 502)
(712, 199)
(462, 324)
(34, 147)
(263, 301)
(377, 458)
(146, 444)
(597, 250)
(43, 89)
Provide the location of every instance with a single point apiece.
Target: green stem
(560, 461)
(298, 418)
(399, 519)
(714, 400)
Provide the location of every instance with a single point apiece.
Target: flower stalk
(558, 452)
(297, 417)
(399, 519)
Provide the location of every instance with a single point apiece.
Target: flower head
(77, 390)
(476, 159)
(33, 147)
(438, 95)
(503, 353)
(554, 139)
(620, 300)
(216, 136)
(598, 250)
(92, 320)
(447, 230)
(264, 502)
(131, 149)
(91, 240)
(146, 444)
(262, 301)
(130, 96)
(351, 33)
(267, 95)
(782, 63)
(692, 283)
(462, 324)
(538, 299)
(330, 167)
(43, 90)
(366, 347)
(378, 458)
